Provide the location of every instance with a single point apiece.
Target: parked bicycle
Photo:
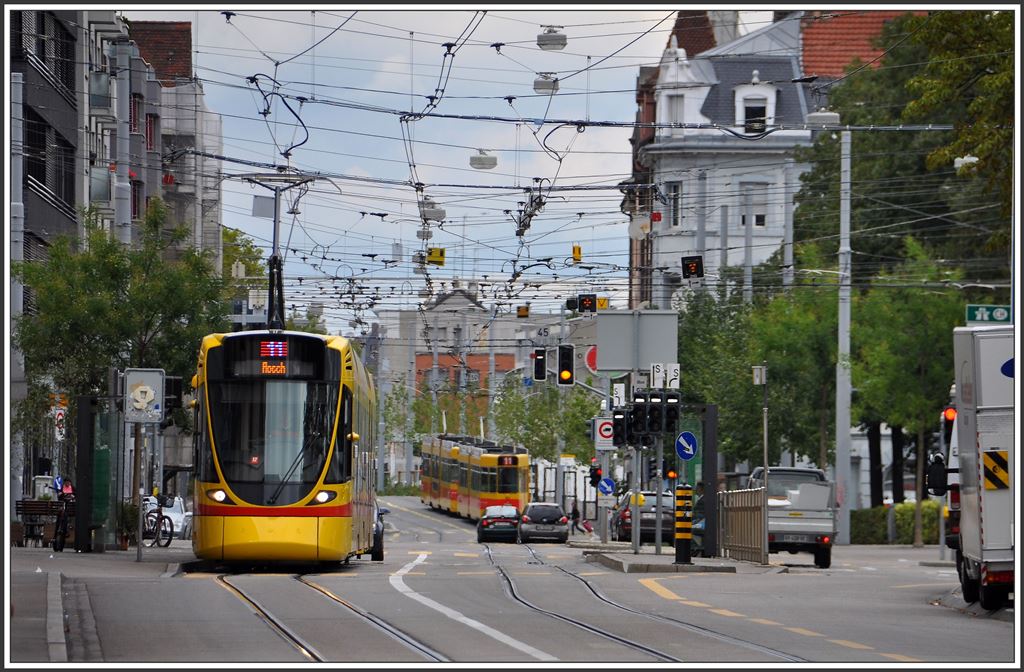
(65, 496)
(158, 528)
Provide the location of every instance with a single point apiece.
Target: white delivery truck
(984, 362)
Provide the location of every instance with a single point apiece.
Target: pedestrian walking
(575, 517)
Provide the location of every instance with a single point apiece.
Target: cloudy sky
(359, 72)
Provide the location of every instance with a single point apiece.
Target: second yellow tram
(463, 475)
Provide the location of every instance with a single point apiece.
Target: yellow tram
(463, 475)
(284, 427)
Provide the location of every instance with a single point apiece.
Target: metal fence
(742, 532)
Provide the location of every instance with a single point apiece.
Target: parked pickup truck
(801, 511)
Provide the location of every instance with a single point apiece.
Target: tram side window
(490, 479)
(474, 482)
(463, 476)
(203, 455)
(341, 465)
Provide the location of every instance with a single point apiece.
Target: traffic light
(652, 467)
(655, 415)
(948, 416)
(693, 267)
(637, 418)
(566, 364)
(668, 471)
(595, 475)
(619, 427)
(587, 303)
(540, 364)
(671, 412)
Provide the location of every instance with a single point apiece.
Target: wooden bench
(39, 515)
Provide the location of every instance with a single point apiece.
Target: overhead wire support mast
(275, 296)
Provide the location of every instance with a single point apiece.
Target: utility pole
(702, 215)
(560, 439)
(490, 372)
(748, 246)
(787, 234)
(843, 383)
(410, 389)
(122, 188)
(18, 390)
(723, 253)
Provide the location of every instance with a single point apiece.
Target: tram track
(595, 630)
(691, 627)
(306, 648)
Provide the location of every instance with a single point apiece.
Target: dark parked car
(377, 552)
(543, 520)
(498, 522)
(622, 523)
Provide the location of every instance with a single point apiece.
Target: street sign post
(672, 376)
(686, 445)
(144, 395)
(603, 434)
(988, 314)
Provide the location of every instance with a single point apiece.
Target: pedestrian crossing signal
(693, 267)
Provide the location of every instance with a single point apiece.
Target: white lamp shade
(483, 161)
(551, 39)
(546, 83)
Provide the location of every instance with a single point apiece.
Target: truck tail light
(989, 577)
(824, 539)
(954, 497)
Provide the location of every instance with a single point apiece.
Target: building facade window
(136, 199)
(755, 115)
(759, 220)
(675, 195)
(134, 110)
(150, 132)
(45, 38)
(676, 111)
(49, 159)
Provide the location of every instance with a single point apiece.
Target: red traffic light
(949, 414)
(671, 474)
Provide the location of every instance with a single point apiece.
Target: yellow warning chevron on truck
(996, 475)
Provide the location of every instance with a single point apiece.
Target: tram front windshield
(272, 436)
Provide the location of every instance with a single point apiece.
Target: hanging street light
(551, 39)
(546, 82)
(483, 160)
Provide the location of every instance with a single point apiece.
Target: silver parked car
(543, 521)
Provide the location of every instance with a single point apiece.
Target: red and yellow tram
(463, 475)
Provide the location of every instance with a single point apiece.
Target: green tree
(313, 322)
(903, 337)
(970, 67)
(100, 304)
(237, 246)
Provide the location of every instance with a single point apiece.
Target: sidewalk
(36, 599)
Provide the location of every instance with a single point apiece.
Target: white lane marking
(399, 584)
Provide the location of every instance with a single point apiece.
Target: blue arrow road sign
(686, 445)
(606, 486)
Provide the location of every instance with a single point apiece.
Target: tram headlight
(217, 495)
(325, 496)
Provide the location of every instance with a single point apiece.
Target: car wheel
(823, 558)
(992, 597)
(479, 538)
(377, 552)
(968, 586)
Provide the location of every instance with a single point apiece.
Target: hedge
(870, 526)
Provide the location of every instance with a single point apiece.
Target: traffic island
(647, 563)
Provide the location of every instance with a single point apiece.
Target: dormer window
(755, 115)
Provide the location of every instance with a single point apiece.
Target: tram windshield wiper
(291, 470)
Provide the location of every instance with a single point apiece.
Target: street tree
(99, 304)
(903, 362)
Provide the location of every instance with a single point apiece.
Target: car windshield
(500, 511)
(549, 512)
(779, 483)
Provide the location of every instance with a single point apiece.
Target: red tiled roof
(693, 32)
(166, 46)
(830, 44)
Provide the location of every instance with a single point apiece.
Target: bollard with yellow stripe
(684, 523)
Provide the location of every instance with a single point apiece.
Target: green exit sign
(984, 313)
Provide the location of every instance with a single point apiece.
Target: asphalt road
(441, 596)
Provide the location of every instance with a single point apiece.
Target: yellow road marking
(926, 585)
(726, 612)
(415, 574)
(466, 555)
(417, 552)
(901, 658)
(765, 621)
(475, 573)
(658, 589)
(805, 631)
(852, 645)
(694, 603)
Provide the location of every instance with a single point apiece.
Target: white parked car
(173, 508)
